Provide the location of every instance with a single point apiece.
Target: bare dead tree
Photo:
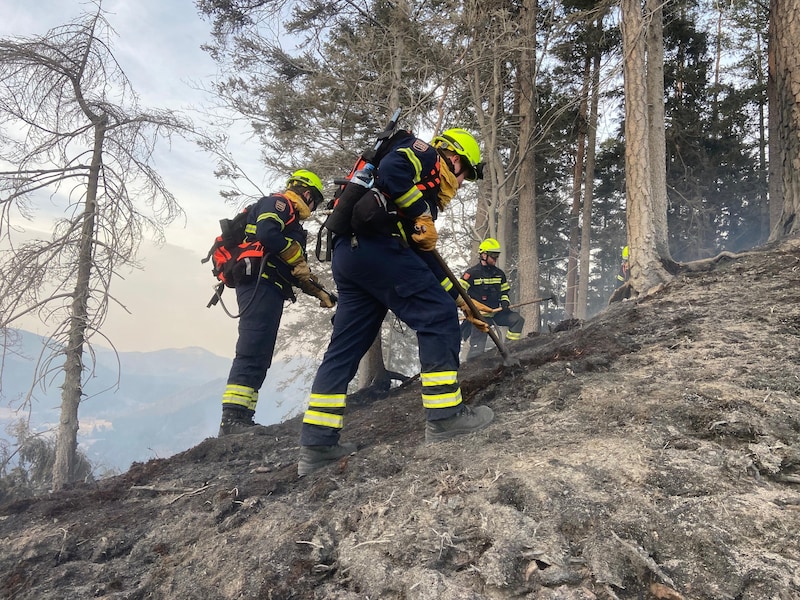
(71, 129)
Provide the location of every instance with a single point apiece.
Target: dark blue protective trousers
(374, 275)
(261, 308)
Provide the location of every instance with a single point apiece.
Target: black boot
(316, 457)
(237, 419)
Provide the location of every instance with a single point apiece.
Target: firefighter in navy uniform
(386, 265)
(624, 270)
(275, 221)
(487, 283)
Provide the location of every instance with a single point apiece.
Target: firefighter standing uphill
(487, 283)
(385, 263)
(275, 222)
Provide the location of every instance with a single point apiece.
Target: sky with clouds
(158, 47)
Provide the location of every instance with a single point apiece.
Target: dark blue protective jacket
(275, 223)
(410, 159)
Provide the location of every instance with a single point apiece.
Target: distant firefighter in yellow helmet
(487, 284)
(624, 270)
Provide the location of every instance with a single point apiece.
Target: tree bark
(577, 181)
(775, 174)
(528, 238)
(72, 390)
(645, 266)
(588, 193)
(654, 43)
(372, 369)
(785, 26)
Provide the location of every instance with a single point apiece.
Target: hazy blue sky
(158, 46)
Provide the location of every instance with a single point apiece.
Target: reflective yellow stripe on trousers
(240, 395)
(325, 410)
(440, 389)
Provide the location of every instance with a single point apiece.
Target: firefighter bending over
(385, 263)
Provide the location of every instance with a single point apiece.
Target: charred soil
(652, 452)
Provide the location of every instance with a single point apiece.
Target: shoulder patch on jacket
(420, 146)
(280, 205)
(466, 276)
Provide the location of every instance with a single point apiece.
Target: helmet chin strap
(449, 161)
(461, 168)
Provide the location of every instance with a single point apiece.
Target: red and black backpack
(233, 259)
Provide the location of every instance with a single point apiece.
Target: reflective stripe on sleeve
(408, 198)
(273, 216)
(414, 160)
(294, 257)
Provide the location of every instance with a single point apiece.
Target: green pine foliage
(321, 101)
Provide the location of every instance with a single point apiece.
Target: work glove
(425, 233)
(312, 288)
(479, 324)
(482, 308)
(504, 304)
(325, 300)
(301, 271)
(294, 257)
(363, 177)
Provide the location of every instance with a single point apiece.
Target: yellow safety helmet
(625, 253)
(489, 245)
(307, 178)
(311, 181)
(462, 143)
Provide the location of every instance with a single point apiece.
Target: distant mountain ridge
(141, 405)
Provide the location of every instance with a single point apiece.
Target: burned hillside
(653, 452)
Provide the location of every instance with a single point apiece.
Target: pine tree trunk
(577, 181)
(588, 194)
(646, 269)
(658, 147)
(785, 15)
(775, 175)
(371, 369)
(528, 238)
